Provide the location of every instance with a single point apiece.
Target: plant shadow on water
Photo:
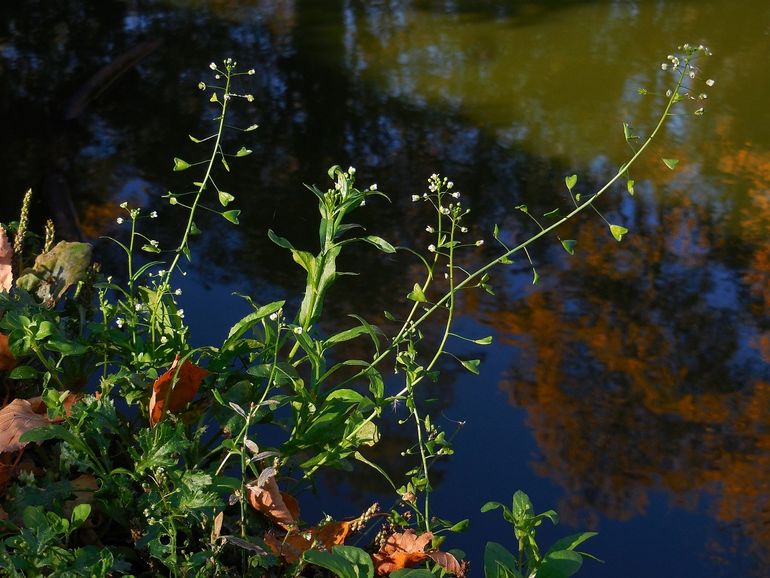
(641, 368)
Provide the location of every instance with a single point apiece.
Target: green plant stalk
(507, 254)
(164, 286)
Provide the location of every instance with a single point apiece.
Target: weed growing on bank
(161, 468)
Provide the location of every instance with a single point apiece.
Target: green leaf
(521, 505)
(150, 248)
(195, 140)
(194, 230)
(416, 294)
(560, 564)
(412, 573)
(224, 163)
(618, 232)
(570, 181)
(213, 97)
(246, 323)
(278, 240)
(483, 340)
(570, 542)
(569, 245)
(553, 214)
(499, 562)
(670, 163)
(80, 514)
(242, 152)
(460, 526)
(496, 232)
(380, 243)
(630, 186)
(225, 198)
(23, 372)
(180, 165)
(471, 365)
(66, 347)
(49, 432)
(535, 276)
(628, 133)
(492, 506)
(346, 335)
(232, 216)
(522, 208)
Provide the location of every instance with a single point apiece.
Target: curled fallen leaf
(170, 396)
(290, 547)
(401, 550)
(265, 497)
(17, 418)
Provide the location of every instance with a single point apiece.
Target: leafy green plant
(109, 394)
(560, 560)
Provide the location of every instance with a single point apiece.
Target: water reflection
(642, 367)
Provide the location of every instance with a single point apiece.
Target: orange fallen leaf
(331, 533)
(17, 418)
(6, 260)
(7, 360)
(402, 550)
(170, 396)
(290, 547)
(269, 500)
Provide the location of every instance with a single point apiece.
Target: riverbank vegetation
(126, 451)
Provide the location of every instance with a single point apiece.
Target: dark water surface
(629, 389)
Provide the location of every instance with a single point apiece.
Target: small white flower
(456, 194)
(480, 242)
(691, 74)
(154, 243)
(252, 71)
(703, 96)
(180, 313)
(351, 170)
(154, 215)
(298, 330)
(250, 97)
(446, 275)
(432, 248)
(213, 66)
(449, 185)
(415, 198)
(373, 187)
(119, 220)
(710, 82)
(202, 85)
(178, 292)
(119, 322)
(463, 229)
(138, 307)
(161, 272)
(273, 316)
(163, 339)
(668, 93)
(664, 66)
(124, 205)
(444, 211)
(430, 229)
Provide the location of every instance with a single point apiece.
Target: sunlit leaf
(618, 232)
(174, 389)
(496, 232)
(552, 214)
(180, 165)
(225, 198)
(251, 127)
(224, 163)
(150, 248)
(242, 152)
(630, 186)
(380, 243)
(535, 276)
(57, 270)
(569, 245)
(416, 294)
(570, 181)
(471, 365)
(232, 216)
(671, 163)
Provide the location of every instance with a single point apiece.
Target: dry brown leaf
(290, 547)
(16, 418)
(401, 550)
(165, 398)
(269, 500)
(449, 563)
(7, 360)
(6, 260)
(331, 534)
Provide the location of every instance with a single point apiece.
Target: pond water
(629, 388)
